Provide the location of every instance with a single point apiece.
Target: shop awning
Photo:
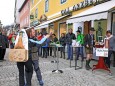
(46, 24)
(95, 13)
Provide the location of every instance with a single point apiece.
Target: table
(101, 63)
(76, 60)
(57, 60)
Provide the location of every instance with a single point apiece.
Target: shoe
(71, 59)
(67, 58)
(41, 83)
(87, 65)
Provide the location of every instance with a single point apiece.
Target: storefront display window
(51, 29)
(63, 28)
(100, 27)
(113, 23)
(70, 26)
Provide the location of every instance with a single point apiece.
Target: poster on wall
(100, 27)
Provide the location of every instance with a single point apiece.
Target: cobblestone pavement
(70, 77)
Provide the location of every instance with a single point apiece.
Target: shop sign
(81, 5)
(43, 18)
(35, 23)
(103, 52)
(31, 16)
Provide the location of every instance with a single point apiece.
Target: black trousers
(107, 59)
(49, 51)
(25, 70)
(62, 50)
(45, 52)
(1, 53)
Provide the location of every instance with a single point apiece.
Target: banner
(103, 52)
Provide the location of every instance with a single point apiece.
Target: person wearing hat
(89, 42)
(79, 50)
(111, 48)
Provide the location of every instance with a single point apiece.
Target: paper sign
(103, 52)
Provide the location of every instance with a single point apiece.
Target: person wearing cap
(111, 48)
(89, 42)
(79, 50)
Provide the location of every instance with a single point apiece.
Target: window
(63, 1)
(36, 13)
(32, 1)
(46, 5)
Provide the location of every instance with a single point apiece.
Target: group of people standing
(42, 42)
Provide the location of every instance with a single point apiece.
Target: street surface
(70, 77)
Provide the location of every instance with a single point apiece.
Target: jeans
(62, 50)
(49, 51)
(28, 72)
(70, 51)
(107, 59)
(79, 51)
(39, 51)
(45, 52)
(37, 70)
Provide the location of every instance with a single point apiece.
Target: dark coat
(62, 41)
(33, 50)
(2, 42)
(69, 38)
(88, 40)
(112, 43)
(55, 39)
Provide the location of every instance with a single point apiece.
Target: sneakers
(41, 83)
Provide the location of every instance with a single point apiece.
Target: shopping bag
(19, 53)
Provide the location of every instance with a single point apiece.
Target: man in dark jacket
(6, 44)
(89, 44)
(69, 37)
(3, 43)
(111, 47)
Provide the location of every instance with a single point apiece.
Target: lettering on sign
(81, 5)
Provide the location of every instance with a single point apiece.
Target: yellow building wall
(55, 6)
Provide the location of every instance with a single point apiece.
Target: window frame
(63, 1)
(46, 5)
(36, 13)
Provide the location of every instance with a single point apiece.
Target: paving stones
(70, 77)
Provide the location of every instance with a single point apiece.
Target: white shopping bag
(24, 39)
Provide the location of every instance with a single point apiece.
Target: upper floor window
(32, 1)
(46, 5)
(36, 13)
(63, 1)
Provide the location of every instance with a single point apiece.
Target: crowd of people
(39, 46)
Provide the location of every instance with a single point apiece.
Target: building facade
(59, 15)
(18, 4)
(25, 14)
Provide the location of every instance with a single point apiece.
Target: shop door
(87, 26)
(62, 28)
(113, 23)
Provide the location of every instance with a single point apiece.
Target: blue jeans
(37, 70)
(70, 51)
(79, 51)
